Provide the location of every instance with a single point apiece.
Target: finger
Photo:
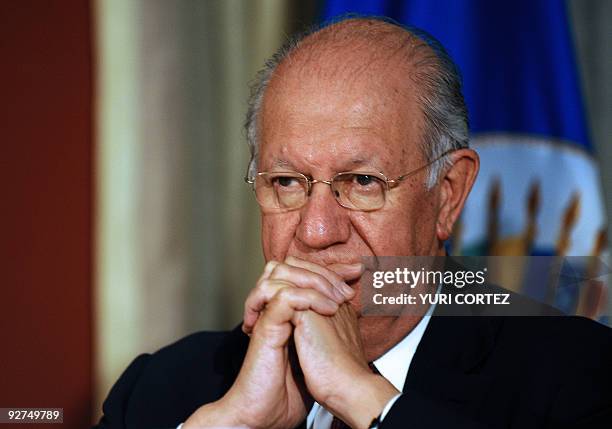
(260, 297)
(334, 273)
(251, 317)
(335, 289)
(270, 265)
(291, 276)
(287, 301)
(348, 271)
(344, 271)
(257, 300)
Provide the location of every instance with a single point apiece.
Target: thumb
(348, 271)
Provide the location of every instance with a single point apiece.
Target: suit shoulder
(205, 342)
(166, 386)
(206, 353)
(561, 328)
(572, 340)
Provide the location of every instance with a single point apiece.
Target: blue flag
(526, 118)
(538, 191)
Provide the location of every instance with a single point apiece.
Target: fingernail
(347, 290)
(358, 265)
(340, 295)
(332, 307)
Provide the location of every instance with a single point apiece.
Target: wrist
(363, 401)
(214, 414)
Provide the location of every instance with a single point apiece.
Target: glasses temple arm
(405, 176)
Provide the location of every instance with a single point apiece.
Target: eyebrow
(355, 162)
(359, 161)
(283, 164)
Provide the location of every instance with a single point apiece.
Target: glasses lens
(360, 191)
(284, 191)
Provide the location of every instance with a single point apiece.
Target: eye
(285, 181)
(363, 179)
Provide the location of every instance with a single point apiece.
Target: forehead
(341, 111)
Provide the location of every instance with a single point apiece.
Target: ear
(455, 187)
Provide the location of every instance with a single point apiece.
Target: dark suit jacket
(468, 372)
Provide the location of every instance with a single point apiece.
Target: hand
(335, 369)
(267, 392)
(329, 348)
(294, 272)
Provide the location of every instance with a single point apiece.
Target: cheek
(388, 233)
(423, 214)
(405, 227)
(277, 232)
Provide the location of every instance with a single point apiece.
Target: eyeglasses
(355, 190)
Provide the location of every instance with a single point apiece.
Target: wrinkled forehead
(347, 90)
(347, 58)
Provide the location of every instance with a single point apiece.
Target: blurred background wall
(126, 221)
(178, 229)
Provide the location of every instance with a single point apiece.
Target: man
(358, 135)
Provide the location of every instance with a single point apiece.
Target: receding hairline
(375, 42)
(358, 55)
(370, 31)
(434, 79)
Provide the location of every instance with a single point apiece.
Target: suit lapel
(447, 361)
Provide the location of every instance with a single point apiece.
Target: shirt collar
(394, 364)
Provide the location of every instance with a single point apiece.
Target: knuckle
(261, 285)
(335, 277)
(270, 265)
(265, 292)
(251, 298)
(270, 285)
(284, 294)
(314, 295)
(332, 276)
(269, 268)
(323, 281)
(278, 269)
(258, 286)
(320, 283)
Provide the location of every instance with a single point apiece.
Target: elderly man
(358, 134)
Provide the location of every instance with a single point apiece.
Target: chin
(375, 335)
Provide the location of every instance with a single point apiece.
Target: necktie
(339, 424)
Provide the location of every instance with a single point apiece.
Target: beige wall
(178, 230)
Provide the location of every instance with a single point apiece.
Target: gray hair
(440, 98)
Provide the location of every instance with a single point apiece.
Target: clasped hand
(305, 345)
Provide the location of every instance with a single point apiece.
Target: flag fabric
(538, 191)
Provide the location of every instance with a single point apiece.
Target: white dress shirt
(393, 365)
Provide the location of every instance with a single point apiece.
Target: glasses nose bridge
(312, 182)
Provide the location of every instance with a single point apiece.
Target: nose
(323, 222)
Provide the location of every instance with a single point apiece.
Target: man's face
(321, 126)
